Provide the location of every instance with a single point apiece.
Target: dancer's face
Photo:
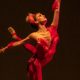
(41, 18)
(36, 18)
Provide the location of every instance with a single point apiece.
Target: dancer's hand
(12, 32)
(2, 50)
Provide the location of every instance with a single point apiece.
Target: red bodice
(42, 48)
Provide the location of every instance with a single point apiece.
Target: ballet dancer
(46, 39)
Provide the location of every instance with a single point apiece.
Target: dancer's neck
(42, 28)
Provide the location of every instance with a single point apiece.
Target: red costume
(42, 53)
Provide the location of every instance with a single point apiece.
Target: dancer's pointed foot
(12, 32)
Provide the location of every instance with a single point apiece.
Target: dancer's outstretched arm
(16, 43)
(56, 10)
(28, 46)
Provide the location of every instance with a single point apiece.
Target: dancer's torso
(43, 41)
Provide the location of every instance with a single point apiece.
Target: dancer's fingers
(2, 50)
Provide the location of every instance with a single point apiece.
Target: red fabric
(30, 48)
(42, 55)
(55, 5)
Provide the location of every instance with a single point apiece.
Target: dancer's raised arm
(56, 10)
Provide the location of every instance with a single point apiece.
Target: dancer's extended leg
(38, 69)
(30, 72)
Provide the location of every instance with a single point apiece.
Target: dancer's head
(37, 18)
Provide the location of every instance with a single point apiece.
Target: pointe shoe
(11, 30)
